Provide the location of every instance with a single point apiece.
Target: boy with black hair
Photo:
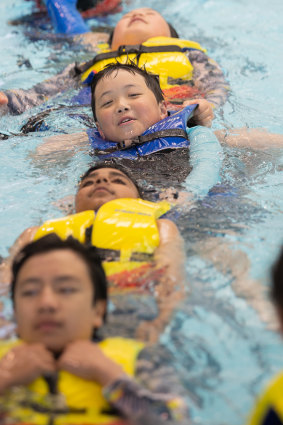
(59, 293)
(129, 110)
(128, 104)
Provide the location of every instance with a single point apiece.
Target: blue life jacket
(169, 133)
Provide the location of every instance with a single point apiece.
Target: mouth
(102, 189)
(125, 121)
(136, 19)
(47, 326)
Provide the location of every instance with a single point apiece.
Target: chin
(55, 345)
(55, 348)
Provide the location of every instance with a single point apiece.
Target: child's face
(138, 26)
(101, 186)
(54, 300)
(125, 106)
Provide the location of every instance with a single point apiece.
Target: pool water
(223, 344)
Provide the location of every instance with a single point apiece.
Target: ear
(99, 130)
(163, 109)
(99, 309)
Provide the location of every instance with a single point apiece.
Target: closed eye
(29, 292)
(119, 181)
(107, 103)
(86, 183)
(67, 290)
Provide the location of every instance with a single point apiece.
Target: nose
(122, 106)
(48, 300)
(101, 179)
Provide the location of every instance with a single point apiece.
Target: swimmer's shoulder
(25, 237)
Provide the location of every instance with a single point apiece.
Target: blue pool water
(222, 348)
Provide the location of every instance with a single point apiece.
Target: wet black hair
(151, 80)
(111, 164)
(52, 242)
(173, 33)
(277, 281)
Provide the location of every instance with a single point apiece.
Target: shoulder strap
(137, 49)
(170, 132)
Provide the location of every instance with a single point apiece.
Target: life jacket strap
(171, 132)
(110, 255)
(130, 49)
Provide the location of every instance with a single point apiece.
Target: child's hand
(3, 99)
(203, 115)
(3, 103)
(24, 363)
(150, 331)
(86, 360)
(175, 197)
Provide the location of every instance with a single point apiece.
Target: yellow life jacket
(125, 230)
(83, 398)
(167, 64)
(269, 407)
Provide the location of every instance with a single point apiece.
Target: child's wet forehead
(109, 172)
(127, 79)
(141, 10)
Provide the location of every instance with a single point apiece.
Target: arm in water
(170, 258)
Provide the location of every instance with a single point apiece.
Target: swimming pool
(222, 349)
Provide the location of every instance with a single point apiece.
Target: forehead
(125, 78)
(56, 262)
(143, 10)
(109, 172)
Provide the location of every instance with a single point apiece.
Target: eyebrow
(38, 280)
(29, 280)
(111, 174)
(143, 8)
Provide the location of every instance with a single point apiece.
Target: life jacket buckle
(122, 145)
(130, 49)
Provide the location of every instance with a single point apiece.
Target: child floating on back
(200, 76)
(138, 247)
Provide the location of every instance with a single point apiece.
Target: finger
(43, 358)
(203, 119)
(190, 102)
(3, 99)
(69, 360)
(204, 112)
(45, 364)
(47, 368)
(207, 123)
(70, 364)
